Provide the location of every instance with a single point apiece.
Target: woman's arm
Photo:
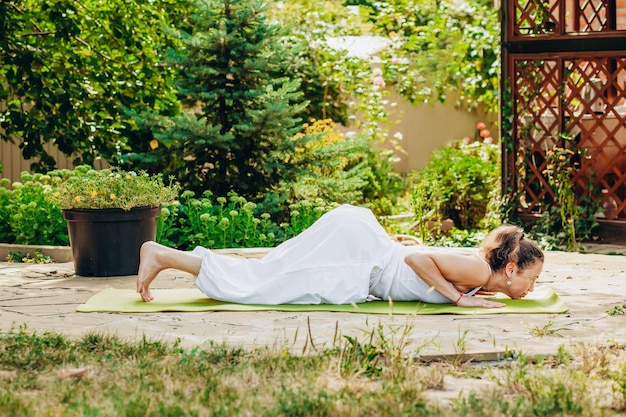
(451, 273)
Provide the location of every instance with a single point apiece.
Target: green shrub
(27, 217)
(337, 168)
(6, 235)
(443, 46)
(566, 221)
(241, 107)
(222, 222)
(231, 222)
(302, 215)
(458, 182)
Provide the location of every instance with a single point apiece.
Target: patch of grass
(618, 378)
(617, 310)
(547, 329)
(24, 257)
(375, 375)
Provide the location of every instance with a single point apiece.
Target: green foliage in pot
(88, 188)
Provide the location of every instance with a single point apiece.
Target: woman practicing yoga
(345, 257)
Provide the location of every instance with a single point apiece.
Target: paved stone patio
(44, 297)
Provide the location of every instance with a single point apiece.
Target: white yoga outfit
(342, 258)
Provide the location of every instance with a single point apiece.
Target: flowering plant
(89, 188)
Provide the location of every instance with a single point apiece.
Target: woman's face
(523, 280)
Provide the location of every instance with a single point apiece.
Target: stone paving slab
(45, 297)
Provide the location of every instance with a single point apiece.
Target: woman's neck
(496, 281)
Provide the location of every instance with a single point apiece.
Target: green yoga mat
(542, 300)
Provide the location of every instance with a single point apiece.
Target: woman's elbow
(415, 259)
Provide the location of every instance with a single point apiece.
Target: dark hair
(507, 244)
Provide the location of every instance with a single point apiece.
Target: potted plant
(110, 213)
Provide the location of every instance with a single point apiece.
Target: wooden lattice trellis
(565, 65)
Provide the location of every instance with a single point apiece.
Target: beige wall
(427, 127)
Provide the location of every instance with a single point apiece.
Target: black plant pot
(106, 242)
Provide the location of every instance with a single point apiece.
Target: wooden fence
(13, 164)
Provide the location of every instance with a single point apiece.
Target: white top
(342, 258)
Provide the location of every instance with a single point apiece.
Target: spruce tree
(241, 110)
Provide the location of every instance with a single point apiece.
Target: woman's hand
(478, 302)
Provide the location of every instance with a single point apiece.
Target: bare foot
(149, 268)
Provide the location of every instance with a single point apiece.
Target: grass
(376, 376)
(618, 310)
(25, 257)
(547, 329)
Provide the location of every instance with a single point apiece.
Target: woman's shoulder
(456, 259)
(454, 251)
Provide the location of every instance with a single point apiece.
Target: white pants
(329, 263)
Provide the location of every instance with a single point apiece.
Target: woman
(345, 257)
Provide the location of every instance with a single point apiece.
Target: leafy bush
(566, 221)
(231, 222)
(440, 46)
(68, 68)
(6, 234)
(29, 213)
(336, 167)
(329, 165)
(27, 216)
(337, 84)
(302, 215)
(216, 223)
(30, 210)
(458, 182)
